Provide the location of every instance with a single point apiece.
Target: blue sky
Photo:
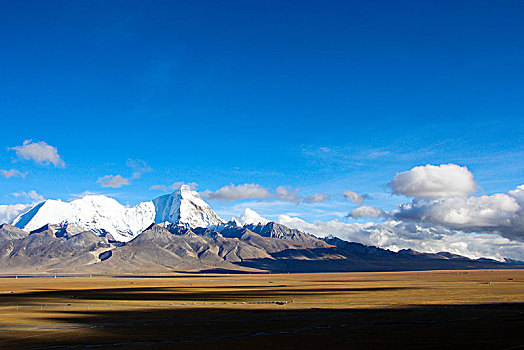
(321, 96)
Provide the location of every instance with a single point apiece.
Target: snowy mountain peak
(186, 189)
(105, 215)
(249, 217)
(185, 207)
(94, 212)
(94, 198)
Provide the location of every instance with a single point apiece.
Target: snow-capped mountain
(249, 217)
(185, 207)
(97, 213)
(102, 214)
(180, 232)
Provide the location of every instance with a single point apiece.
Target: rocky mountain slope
(180, 232)
(164, 248)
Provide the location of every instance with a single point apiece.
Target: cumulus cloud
(354, 197)
(31, 194)
(287, 195)
(238, 192)
(366, 211)
(430, 181)
(9, 212)
(115, 181)
(501, 213)
(40, 152)
(442, 216)
(139, 168)
(317, 197)
(395, 235)
(255, 191)
(12, 173)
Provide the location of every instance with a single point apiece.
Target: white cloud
(482, 226)
(177, 185)
(354, 197)
(477, 226)
(40, 152)
(396, 235)
(287, 195)
(139, 168)
(430, 181)
(31, 194)
(501, 213)
(317, 197)
(9, 212)
(113, 181)
(238, 192)
(366, 211)
(174, 186)
(255, 191)
(12, 173)
(159, 188)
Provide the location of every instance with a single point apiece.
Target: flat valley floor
(398, 310)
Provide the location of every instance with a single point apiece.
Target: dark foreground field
(440, 309)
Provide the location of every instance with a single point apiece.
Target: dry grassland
(438, 309)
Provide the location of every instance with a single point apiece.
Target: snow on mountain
(97, 213)
(249, 217)
(185, 207)
(102, 214)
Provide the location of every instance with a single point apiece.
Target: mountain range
(179, 232)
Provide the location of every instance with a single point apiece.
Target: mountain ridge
(105, 215)
(169, 248)
(180, 232)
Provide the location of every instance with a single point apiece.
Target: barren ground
(437, 309)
